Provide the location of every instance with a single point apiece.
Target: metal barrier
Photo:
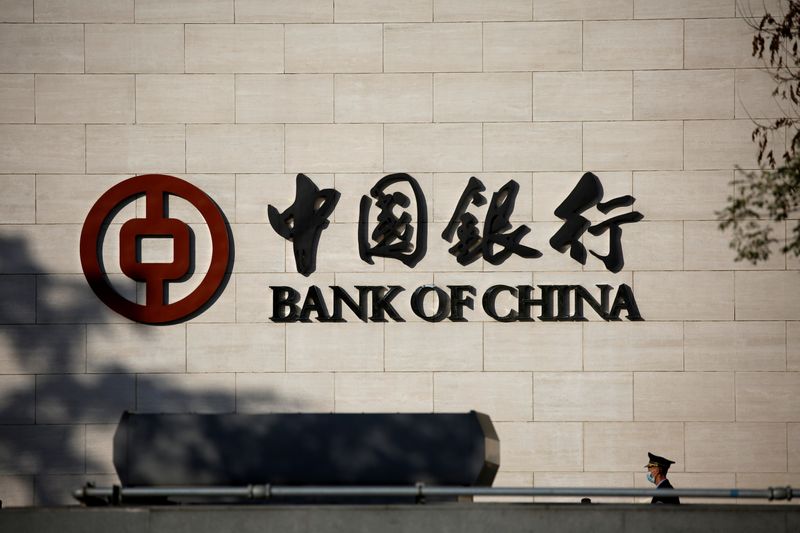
(117, 494)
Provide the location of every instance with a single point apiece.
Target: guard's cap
(657, 460)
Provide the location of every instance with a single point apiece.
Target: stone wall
(238, 96)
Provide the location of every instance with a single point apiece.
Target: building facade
(656, 98)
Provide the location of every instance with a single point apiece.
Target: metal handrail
(419, 491)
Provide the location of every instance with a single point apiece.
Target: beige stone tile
(284, 11)
(254, 296)
(232, 48)
(135, 149)
(84, 98)
(536, 146)
(750, 8)
(134, 48)
(18, 203)
(235, 348)
(83, 398)
(481, 282)
(582, 396)
(623, 446)
(16, 491)
(677, 195)
(674, 94)
(767, 296)
(67, 299)
(735, 446)
(541, 446)
(425, 347)
(481, 10)
(83, 11)
(582, 9)
(334, 48)
(219, 187)
(16, 98)
(42, 349)
(509, 479)
(757, 346)
(353, 186)
(384, 98)
(184, 98)
(99, 448)
(719, 43)
(550, 189)
(42, 148)
(515, 46)
(432, 147)
(504, 396)
(433, 47)
(36, 449)
(52, 490)
(234, 148)
(282, 98)
(18, 395)
(66, 199)
(629, 45)
(285, 393)
(395, 392)
(622, 480)
(793, 431)
(334, 148)
(135, 348)
(16, 11)
(686, 9)
(721, 144)
(184, 11)
(793, 346)
(685, 295)
(482, 97)
(48, 249)
(258, 249)
(186, 393)
(41, 48)
(767, 396)
(535, 346)
(763, 480)
(754, 97)
(448, 188)
(383, 11)
(579, 96)
(706, 247)
(638, 145)
(19, 303)
(317, 347)
(254, 192)
(646, 245)
(633, 346)
(683, 396)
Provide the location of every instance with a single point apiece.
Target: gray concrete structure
(463, 518)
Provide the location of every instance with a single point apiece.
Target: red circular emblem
(156, 223)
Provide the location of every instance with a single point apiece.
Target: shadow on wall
(57, 419)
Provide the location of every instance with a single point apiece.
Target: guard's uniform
(663, 465)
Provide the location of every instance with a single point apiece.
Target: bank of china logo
(156, 188)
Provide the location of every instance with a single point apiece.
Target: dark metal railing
(117, 494)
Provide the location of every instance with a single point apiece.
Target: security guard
(657, 469)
